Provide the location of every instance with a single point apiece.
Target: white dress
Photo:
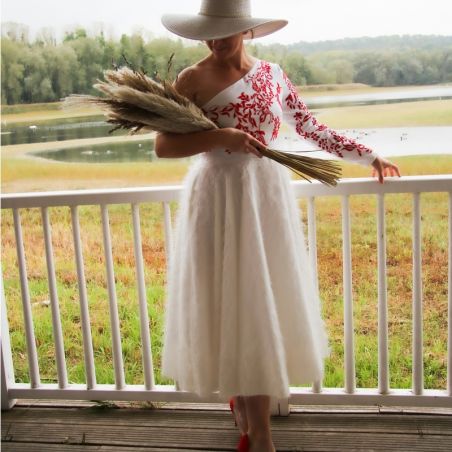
(242, 315)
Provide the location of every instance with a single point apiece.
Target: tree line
(45, 71)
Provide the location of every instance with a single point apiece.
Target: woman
(242, 313)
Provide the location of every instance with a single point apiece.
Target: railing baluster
(168, 229)
(349, 353)
(84, 311)
(148, 367)
(312, 242)
(395, 397)
(449, 336)
(418, 367)
(32, 355)
(383, 366)
(312, 239)
(113, 305)
(7, 370)
(54, 303)
(168, 243)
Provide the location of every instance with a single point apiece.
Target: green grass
(21, 173)
(421, 113)
(434, 229)
(26, 108)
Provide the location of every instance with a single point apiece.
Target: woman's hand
(235, 140)
(384, 168)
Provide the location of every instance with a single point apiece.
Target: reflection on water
(328, 103)
(136, 151)
(440, 92)
(57, 130)
(385, 141)
(95, 126)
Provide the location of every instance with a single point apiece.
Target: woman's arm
(297, 115)
(175, 145)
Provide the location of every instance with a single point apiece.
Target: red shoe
(231, 405)
(244, 443)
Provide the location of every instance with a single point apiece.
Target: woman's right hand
(236, 140)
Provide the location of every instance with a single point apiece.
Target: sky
(309, 20)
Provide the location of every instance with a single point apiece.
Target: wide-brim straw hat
(219, 19)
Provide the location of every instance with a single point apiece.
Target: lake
(386, 141)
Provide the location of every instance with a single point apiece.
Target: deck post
(7, 358)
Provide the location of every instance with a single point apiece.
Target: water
(57, 130)
(95, 126)
(385, 141)
(136, 151)
(387, 97)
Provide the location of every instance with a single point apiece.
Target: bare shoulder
(187, 81)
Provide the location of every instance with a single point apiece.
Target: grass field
(410, 114)
(434, 214)
(21, 173)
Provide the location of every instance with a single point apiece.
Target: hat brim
(202, 27)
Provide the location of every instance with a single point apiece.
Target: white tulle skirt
(242, 315)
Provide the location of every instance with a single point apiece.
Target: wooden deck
(35, 426)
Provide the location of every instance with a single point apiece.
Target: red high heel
(231, 405)
(244, 443)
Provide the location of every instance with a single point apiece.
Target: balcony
(313, 418)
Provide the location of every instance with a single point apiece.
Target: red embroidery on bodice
(251, 110)
(304, 121)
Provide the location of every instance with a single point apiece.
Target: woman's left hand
(384, 168)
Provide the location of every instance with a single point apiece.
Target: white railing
(383, 395)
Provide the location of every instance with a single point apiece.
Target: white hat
(219, 19)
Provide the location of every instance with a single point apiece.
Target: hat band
(223, 8)
(224, 17)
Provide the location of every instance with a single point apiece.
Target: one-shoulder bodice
(264, 98)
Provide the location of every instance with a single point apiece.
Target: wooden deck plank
(393, 423)
(185, 439)
(124, 430)
(28, 447)
(57, 403)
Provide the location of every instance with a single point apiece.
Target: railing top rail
(353, 186)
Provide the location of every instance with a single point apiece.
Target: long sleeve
(297, 115)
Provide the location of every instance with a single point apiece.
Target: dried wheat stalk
(133, 101)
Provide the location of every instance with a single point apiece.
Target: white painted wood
(54, 303)
(113, 304)
(383, 360)
(312, 239)
(33, 367)
(314, 395)
(7, 366)
(353, 186)
(418, 366)
(298, 395)
(168, 242)
(312, 246)
(349, 349)
(88, 354)
(449, 324)
(283, 407)
(144, 317)
(168, 231)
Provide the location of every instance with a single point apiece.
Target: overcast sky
(309, 20)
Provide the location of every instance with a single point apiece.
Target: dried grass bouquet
(135, 102)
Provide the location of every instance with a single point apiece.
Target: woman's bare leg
(240, 414)
(258, 420)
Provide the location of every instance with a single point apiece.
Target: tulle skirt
(242, 314)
